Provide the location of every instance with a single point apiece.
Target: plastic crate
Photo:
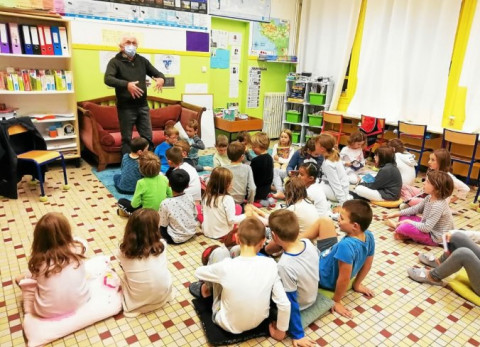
(295, 137)
(294, 116)
(317, 99)
(315, 120)
(307, 137)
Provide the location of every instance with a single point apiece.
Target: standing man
(126, 73)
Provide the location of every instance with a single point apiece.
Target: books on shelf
(14, 79)
(33, 39)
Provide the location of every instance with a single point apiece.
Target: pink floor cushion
(105, 301)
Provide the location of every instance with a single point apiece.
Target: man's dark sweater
(120, 71)
(388, 182)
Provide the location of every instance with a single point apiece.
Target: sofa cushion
(158, 137)
(160, 116)
(186, 116)
(106, 116)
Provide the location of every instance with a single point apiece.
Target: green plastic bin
(307, 137)
(317, 99)
(315, 120)
(295, 137)
(294, 116)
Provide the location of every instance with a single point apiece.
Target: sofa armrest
(195, 111)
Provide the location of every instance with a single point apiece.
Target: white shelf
(36, 56)
(54, 120)
(48, 138)
(40, 92)
(69, 146)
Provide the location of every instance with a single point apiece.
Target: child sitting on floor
(297, 201)
(352, 155)
(147, 283)
(242, 287)
(219, 211)
(195, 143)
(297, 267)
(150, 191)
(175, 161)
(171, 137)
(262, 167)
(57, 265)
(283, 150)
(436, 216)
(126, 181)
(351, 257)
(178, 213)
(387, 184)
(243, 187)
(220, 158)
(244, 138)
(305, 154)
(308, 173)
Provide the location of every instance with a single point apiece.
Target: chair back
(332, 118)
(23, 140)
(16, 129)
(409, 129)
(460, 138)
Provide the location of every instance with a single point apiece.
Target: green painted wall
(89, 79)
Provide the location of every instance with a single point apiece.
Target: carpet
(106, 176)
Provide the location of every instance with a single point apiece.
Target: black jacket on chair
(11, 172)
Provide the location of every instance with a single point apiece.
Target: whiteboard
(199, 99)
(207, 126)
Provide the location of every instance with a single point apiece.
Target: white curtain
(404, 60)
(470, 77)
(327, 30)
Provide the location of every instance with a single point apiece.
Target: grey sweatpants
(464, 253)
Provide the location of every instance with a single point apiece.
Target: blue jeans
(140, 117)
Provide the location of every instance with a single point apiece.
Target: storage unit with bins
(305, 99)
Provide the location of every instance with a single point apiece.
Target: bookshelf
(53, 111)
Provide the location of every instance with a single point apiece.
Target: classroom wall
(89, 79)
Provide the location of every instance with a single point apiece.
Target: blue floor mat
(106, 176)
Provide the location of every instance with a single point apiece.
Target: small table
(238, 125)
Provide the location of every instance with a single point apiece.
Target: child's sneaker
(122, 213)
(207, 252)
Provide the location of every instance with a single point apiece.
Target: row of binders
(35, 80)
(33, 39)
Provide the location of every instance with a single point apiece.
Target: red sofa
(100, 130)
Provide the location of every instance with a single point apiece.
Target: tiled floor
(402, 312)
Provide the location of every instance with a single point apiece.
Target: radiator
(273, 114)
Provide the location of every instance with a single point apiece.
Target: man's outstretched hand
(158, 84)
(134, 90)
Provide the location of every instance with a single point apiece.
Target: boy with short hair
(243, 184)
(262, 166)
(195, 143)
(244, 138)
(126, 181)
(297, 267)
(185, 146)
(175, 161)
(178, 213)
(150, 191)
(352, 257)
(220, 158)
(171, 137)
(242, 287)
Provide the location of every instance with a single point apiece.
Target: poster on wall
(169, 64)
(198, 6)
(271, 38)
(233, 85)
(254, 84)
(254, 10)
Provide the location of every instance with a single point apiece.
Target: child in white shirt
(175, 160)
(352, 155)
(283, 150)
(242, 287)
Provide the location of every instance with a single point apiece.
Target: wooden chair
(414, 131)
(333, 125)
(375, 135)
(26, 152)
(452, 137)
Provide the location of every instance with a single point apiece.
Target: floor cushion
(321, 306)
(216, 336)
(329, 294)
(105, 301)
(461, 285)
(388, 204)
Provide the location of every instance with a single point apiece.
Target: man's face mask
(130, 50)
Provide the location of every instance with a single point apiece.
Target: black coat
(11, 171)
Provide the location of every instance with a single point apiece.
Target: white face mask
(130, 50)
